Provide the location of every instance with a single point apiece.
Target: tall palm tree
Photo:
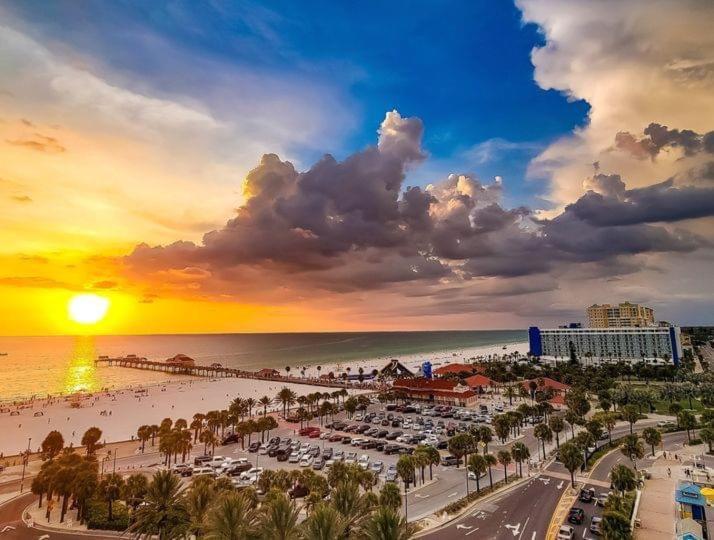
(265, 401)
(520, 453)
(477, 465)
(110, 488)
(386, 524)
(324, 523)
(490, 462)
(389, 496)
(198, 499)
(280, 519)
(164, 513)
(504, 458)
(250, 402)
(90, 439)
(232, 517)
(143, 434)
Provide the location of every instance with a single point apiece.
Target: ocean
(53, 365)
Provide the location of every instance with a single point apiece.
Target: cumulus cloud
(352, 226)
(658, 137)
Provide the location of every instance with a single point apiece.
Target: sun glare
(87, 308)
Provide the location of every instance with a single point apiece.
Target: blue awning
(690, 494)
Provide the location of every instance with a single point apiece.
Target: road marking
(524, 527)
(545, 480)
(460, 526)
(471, 532)
(516, 529)
(420, 496)
(454, 494)
(7, 528)
(560, 485)
(533, 535)
(43, 537)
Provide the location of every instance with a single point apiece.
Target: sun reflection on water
(81, 374)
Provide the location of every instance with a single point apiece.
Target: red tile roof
(558, 399)
(443, 393)
(479, 380)
(457, 368)
(427, 384)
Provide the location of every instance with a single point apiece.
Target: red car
(334, 438)
(314, 434)
(307, 430)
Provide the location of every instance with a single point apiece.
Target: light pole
(25, 459)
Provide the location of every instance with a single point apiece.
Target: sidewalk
(657, 507)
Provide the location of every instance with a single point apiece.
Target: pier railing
(195, 370)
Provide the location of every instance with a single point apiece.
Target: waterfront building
(440, 391)
(654, 344)
(624, 314)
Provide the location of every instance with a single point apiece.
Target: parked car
(586, 495)
(602, 499)
(254, 446)
(376, 467)
(318, 464)
(596, 525)
(294, 457)
(449, 461)
(566, 532)
(351, 457)
(202, 471)
(576, 516)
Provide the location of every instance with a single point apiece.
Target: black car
(254, 446)
(382, 433)
(442, 445)
(236, 469)
(393, 435)
(396, 423)
(361, 429)
(327, 453)
(391, 449)
(283, 456)
(339, 425)
(405, 450)
(346, 440)
(366, 445)
(274, 440)
(390, 407)
(380, 445)
(576, 516)
(230, 439)
(587, 495)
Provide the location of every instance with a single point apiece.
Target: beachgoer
(669, 472)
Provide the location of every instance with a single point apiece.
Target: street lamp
(25, 459)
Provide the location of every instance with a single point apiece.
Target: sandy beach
(118, 413)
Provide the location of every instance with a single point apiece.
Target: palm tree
(571, 458)
(520, 453)
(485, 435)
(477, 465)
(135, 489)
(53, 444)
(208, 438)
(631, 446)
(504, 458)
(556, 425)
(490, 462)
(631, 414)
(143, 434)
(324, 523)
(164, 513)
(110, 488)
(389, 496)
(280, 520)
(386, 524)
(510, 392)
(434, 459)
(623, 478)
(250, 402)
(265, 401)
(232, 517)
(544, 434)
(615, 525)
(180, 424)
(90, 439)
(653, 437)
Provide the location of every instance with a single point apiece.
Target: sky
(324, 166)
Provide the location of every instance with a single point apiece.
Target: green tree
(520, 453)
(90, 440)
(477, 465)
(52, 445)
(630, 414)
(461, 445)
(504, 458)
(280, 519)
(491, 461)
(707, 435)
(543, 433)
(687, 421)
(164, 512)
(631, 446)
(653, 437)
(557, 425)
(325, 523)
(615, 526)
(386, 524)
(389, 496)
(571, 457)
(623, 478)
(135, 488)
(110, 489)
(232, 517)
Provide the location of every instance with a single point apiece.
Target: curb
(565, 502)
(14, 498)
(468, 508)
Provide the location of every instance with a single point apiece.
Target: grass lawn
(662, 407)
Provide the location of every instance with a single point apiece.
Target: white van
(203, 471)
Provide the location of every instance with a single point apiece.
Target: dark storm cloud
(661, 202)
(658, 137)
(348, 226)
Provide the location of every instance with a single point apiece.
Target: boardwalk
(217, 371)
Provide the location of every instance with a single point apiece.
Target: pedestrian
(669, 472)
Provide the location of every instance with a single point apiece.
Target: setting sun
(87, 308)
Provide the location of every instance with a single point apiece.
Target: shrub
(97, 517)
(695, 442)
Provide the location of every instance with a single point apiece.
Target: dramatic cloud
(659, 137)
(350, 226)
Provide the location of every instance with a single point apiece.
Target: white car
(203, 471)
(306, 461)
(329, 463)
(215, 461)
(294, 457)
(351, 458)
(325, 434)
(363, 461)
(263, 450)
(357, 441)
(251, 474)
(565, 532)
(358, 417)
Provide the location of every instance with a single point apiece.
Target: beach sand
(118, 413)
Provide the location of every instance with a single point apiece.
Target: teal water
(52, 365)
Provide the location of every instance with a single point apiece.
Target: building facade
(622, 315)
(653, 343)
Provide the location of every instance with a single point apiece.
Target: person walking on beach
(669, 472)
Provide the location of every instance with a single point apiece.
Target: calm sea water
(52, 365)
